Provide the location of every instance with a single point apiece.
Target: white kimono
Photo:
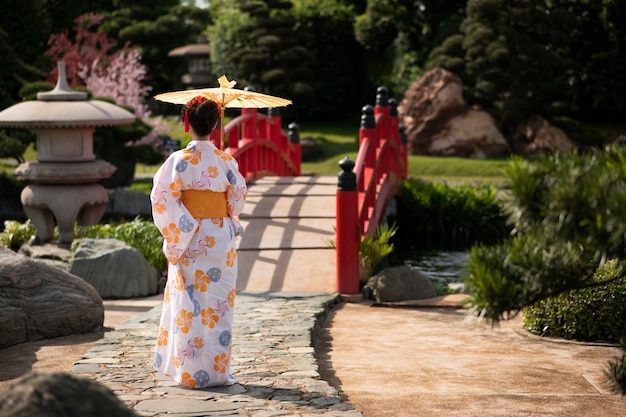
(194, 341)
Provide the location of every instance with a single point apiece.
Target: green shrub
(373, 249)
(441, 216)
(595, 313)
(140, 234)
(583, 134)
(569, 219)
(15, 234)
(615, 372)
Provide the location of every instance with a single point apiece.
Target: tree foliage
(552, 58)
(513, 57)
(399, 34)
(598, 47)
(568, 221)
(274, 59)
(340, 84)
(158, 27)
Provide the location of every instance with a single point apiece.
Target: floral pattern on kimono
(194, 340)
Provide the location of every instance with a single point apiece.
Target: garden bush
(591, 314)
(15, 234)
(567, 252)
(435, 215)
(142, 235)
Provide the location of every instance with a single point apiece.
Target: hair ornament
(194, 102)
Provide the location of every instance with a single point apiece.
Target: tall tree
(157, 28)
(274, 60)
(399, 34)
(24, 30)
(598, 46)
(338, 61)
(515, 59)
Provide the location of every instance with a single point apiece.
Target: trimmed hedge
(435, 215)
(591, 314)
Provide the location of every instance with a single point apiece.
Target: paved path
(288, 222)
(294, 343)
(273, 361)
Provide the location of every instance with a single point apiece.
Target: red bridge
(292, 220)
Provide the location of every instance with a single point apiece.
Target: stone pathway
(273, 360)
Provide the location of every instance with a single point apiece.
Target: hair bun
(196, 101)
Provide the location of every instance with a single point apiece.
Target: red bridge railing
(260, 145)
(366, 187)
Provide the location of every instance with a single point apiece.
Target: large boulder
(114, 268)
(437, 120)
(472, 134)
(39, 301)
(541, 138)
(400, 283)
(125, 203)
(60, 395)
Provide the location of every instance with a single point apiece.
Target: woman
(197, 195)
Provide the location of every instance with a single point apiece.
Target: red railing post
(296, 155)
(381, 112)
(347, 230)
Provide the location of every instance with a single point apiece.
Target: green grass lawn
(340, 140)
(337, 141)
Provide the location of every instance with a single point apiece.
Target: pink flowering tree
(121, 80)
(117, 75)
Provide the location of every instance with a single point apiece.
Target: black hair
(203, 117)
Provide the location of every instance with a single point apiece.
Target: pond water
(444, 267)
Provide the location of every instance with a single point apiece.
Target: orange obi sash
(205, 203)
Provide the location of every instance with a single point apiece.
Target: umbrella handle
(221, 128)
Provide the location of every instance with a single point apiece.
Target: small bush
(615, 372)
(140, 234)
(373, 249)
(15, 234)
(592, 314)
(441, 216)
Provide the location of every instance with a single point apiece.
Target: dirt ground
(60, 354)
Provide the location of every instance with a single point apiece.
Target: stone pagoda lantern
(64, 178)
(198, 62)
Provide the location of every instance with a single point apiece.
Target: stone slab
(287, 233)
(260, 206)
(287, 270)
(313, 185)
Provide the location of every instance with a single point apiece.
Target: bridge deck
(289, 222)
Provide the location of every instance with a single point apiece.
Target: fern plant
(373, 249)
(615, 372)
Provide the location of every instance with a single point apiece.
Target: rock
(438, 122)
(60, 395)
(544, 139)
(458, 287)
(52, 253)
(114, 268)
(128, 204)
(310, 150)
(39, 301)
(472, 134)
(427, 107)
(400, 283)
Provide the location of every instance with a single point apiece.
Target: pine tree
(273, 61)
(515, 60)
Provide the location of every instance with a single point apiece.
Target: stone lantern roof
(200, 48)
(64, 108)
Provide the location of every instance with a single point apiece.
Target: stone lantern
(198, 62)
(64, 178)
